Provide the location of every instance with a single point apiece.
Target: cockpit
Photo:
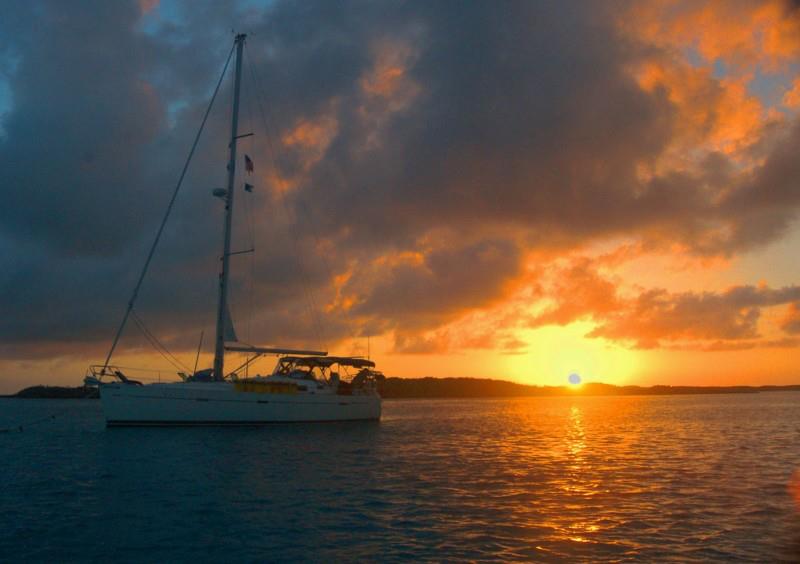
(342, 373)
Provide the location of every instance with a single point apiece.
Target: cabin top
(326, 361)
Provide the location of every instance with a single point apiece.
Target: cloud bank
(419, 157)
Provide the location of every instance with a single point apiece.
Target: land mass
(56, 392)
(484, 387)
(472, 388)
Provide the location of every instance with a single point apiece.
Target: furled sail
(229, 333)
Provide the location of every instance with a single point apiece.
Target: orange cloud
(791, 321)
(474, 331)
(388, 77)
(384, 80)
(313, 135)
(578, 291)
(305, 144)
(717, 115)
(792, 96)
(146, 6)
(744, 345)
(386, 87)
(706, 57)
(657, 315)
(742, 33)
(444, 342)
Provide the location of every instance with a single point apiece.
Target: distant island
(56, 392)
(470, 388)
(487, 388)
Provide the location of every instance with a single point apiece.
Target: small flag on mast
(248, 164)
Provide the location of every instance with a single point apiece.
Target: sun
(556, 354)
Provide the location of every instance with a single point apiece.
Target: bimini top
(327, 361)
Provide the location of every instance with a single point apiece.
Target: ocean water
(686, 478)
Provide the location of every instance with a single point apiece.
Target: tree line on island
(468, 388)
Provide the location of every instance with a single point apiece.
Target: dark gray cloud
(526, 116)
(72, 161)
(765, 203)
(461, 133)
(422, 294)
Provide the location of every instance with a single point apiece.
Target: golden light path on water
(621, 455)
(578, 480)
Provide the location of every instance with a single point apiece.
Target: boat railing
(98, 374)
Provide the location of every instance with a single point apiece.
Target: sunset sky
(518, 190)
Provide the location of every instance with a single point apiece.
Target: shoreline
(468, 388)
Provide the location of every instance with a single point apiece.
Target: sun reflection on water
(576, 444)
(794, 488)
(580, 484)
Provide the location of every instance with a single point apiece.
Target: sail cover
(229, 333)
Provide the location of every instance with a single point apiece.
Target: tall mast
(222, 305)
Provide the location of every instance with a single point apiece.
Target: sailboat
(304, 386)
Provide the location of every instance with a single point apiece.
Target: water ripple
(693, 479)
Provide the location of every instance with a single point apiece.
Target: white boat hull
(219, 403)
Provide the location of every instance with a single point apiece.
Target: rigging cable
(313, 308)
(305, 209)
(160, 348)
(166, 214)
